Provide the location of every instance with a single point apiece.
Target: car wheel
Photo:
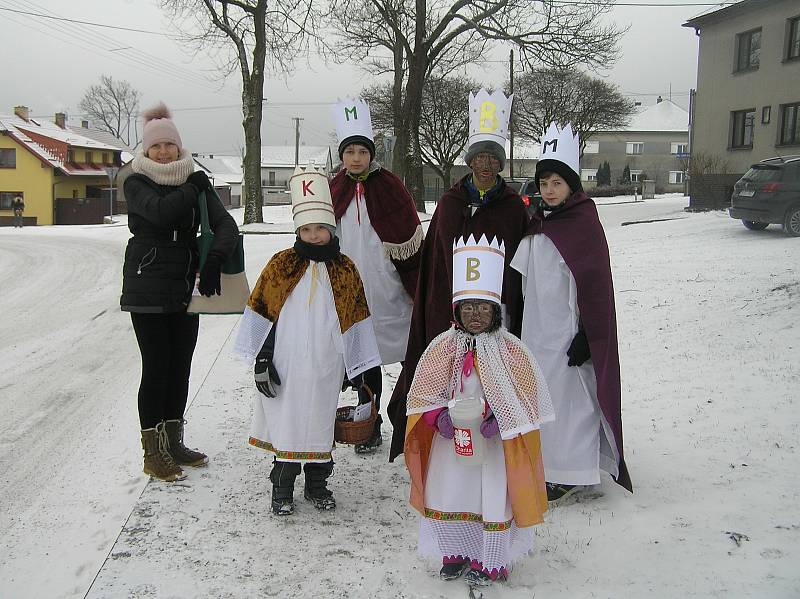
(792, 223)
(754, 226)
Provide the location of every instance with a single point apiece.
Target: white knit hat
(159, 128)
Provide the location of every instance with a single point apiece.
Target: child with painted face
(569, 323)
(307, 325)
(476, 513)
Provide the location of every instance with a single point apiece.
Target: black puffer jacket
(161, 259)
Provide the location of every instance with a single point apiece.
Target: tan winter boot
(158, 463)
(179, 452)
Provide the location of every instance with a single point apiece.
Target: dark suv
(769, 193)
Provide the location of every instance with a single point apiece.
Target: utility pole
(511, 117)
(296, 120)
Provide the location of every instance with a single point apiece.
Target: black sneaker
(478, 578)
(556, 493)
(282, 507)
(371, 445)
(453, 571)
(322, 502)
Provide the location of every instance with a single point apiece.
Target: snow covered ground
(708, 316)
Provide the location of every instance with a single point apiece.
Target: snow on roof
(7, 124)
(53, 131)
(283, 156)
(663, 116)
(220, 170)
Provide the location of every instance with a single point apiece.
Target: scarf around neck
(318, 253)
(173, 173)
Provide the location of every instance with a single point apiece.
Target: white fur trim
(403, 251)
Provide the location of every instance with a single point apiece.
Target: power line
(645, 4)
(57, 18)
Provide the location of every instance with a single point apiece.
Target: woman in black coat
(159, 276)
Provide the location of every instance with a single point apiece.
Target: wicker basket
(346, 431)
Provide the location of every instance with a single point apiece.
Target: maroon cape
(391, 210)
(504, 216)
(576, 232)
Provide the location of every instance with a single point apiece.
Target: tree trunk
(417, 66)
(400, 130)
(251, 124)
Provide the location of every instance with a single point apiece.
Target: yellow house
(60, 174)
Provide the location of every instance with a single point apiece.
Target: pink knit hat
(159, 127)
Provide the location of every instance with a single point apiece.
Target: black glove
(200, 180)
(209, 276)
(578, 351)
(372, 379)
(266, 375)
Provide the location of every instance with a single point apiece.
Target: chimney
(22, 112)
(659, 99)
(85, 124)
(61, 120)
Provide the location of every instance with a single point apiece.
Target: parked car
(769, 193)
(530, 195)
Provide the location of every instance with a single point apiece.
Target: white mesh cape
(512, 380)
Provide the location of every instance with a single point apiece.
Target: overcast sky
(47, 65)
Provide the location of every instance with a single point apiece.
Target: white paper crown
(488, 116)
(562, 145)
(352, 118)
(478, 269)
(311, 197)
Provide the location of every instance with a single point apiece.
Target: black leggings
(166, 342)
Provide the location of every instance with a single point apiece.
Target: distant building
(654, 145)
(747, 105)
(60, 174)
(225, 173)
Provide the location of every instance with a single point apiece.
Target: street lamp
(111, 171)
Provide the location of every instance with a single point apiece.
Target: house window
(89, 156)
(8, 158)
(742, 128)
(790, 124)
(636, 176)
(679, 148)
(766, 113)
(272, 178)
(634, 147)
(105, 158)
(592, 147)
(589, 174)
(7, 197)
(793, 39)
(676, 177)
(748, 50)
(70, 155)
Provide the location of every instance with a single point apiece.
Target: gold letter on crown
(488, 117)
(472, 269)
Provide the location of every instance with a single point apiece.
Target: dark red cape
(504, 216)
(576, 232)
(391, 210)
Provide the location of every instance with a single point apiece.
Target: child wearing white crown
(307, 325)
(379, 229)
(476, 517)
(569, 323)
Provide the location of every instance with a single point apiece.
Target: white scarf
(173, 173)
(511, 378)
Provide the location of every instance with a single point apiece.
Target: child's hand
(266, 376)
(490, 427)
(445, 425)
(578, 351)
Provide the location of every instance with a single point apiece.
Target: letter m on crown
(553, 143)
(350, 111)
(307, 188)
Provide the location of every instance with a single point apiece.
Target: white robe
(389, 303)
(453, 489)
(297, 424)
(571, 445)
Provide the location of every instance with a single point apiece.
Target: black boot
(316, 490)
(371, 445)
(282, 478)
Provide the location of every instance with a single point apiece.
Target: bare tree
(427, 36)
(444, 122)
(251, 35)
(568, 96)
(113, 105)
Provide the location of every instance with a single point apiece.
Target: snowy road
(708, 343)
